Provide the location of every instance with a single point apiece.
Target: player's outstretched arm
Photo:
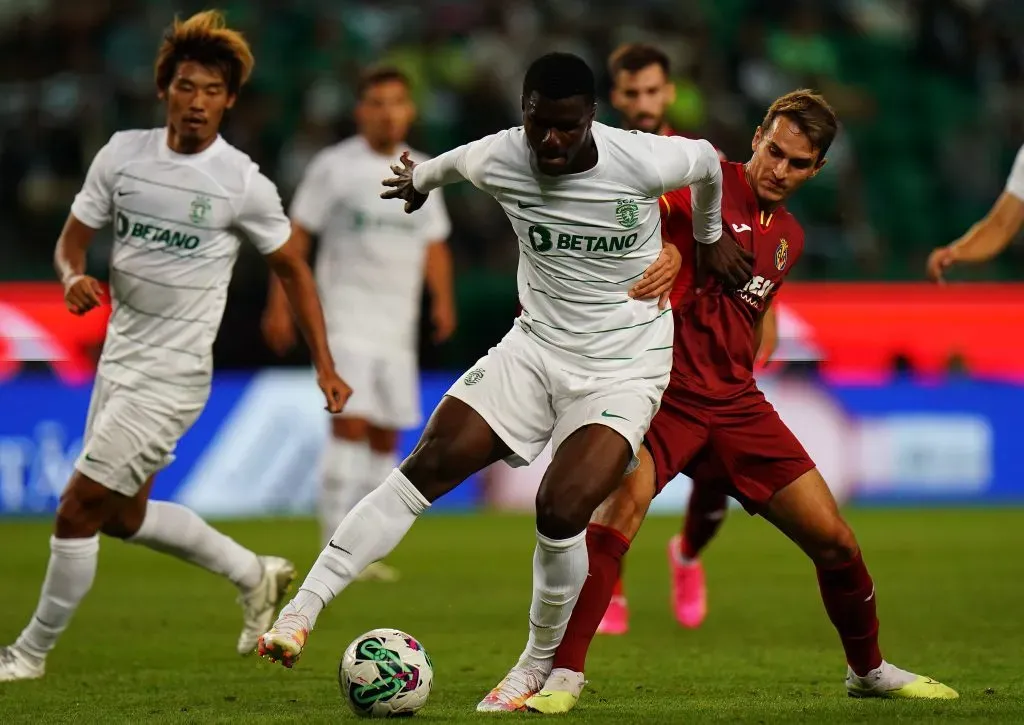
(766, 336)
(413, 181)
(984, 240)
(695, 163)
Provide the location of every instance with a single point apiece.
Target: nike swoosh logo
(528, 206)
(606, 414)
(91, 459)
(126, 193)
(335, 546)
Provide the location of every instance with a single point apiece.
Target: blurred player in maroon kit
(642, 92)
(715, 424)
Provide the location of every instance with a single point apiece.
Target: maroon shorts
(741, 446)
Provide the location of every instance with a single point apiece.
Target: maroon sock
(849, 597)
(704, 515)
(606, 547)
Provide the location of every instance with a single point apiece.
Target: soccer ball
(385, 673)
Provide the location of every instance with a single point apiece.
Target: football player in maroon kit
(642, 91)
(715, 424)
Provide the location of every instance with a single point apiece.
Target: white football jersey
(585, 239)
(178, 220)
(370, 263)
(1015, 181)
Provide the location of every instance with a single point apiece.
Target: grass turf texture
(154, 640)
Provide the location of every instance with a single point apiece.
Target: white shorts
(385, 386)
(521, 389)
(130, 436)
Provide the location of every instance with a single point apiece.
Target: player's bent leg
(704, 515)
(74, 553)
(171, 528)
(613, 527)
(807, 513)
(383, 458)
(456, 443)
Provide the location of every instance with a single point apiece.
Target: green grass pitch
(154, 641)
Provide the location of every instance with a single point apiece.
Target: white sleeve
(93, 205)
(312, 202)
(438, 226)
(1015, 182)
(261, 217)
(695, 163)
(463, 163)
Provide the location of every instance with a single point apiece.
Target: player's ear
(756, 140)
(818, 167)
(231, 100)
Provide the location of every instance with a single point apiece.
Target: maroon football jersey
(714, 348)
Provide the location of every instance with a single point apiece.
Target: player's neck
(187, 147)
(766, 206)
(384, 148)
(585, 160)
(665, 130)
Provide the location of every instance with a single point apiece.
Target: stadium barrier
(255, 449)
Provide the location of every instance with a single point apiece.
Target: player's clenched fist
(336, 391)
(82, 293)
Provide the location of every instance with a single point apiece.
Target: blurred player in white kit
(180, 200)
(372, 261)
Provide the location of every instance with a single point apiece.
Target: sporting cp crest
(199, 209)
(781, 254)
(627, 212)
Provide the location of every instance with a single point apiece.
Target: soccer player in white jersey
(180, 200)
(989, 236)
(371, 265)
(584, 365)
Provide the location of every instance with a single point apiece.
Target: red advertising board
(36, 326)
(858, 329)
(854, 329)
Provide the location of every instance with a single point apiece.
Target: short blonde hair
(206, 39)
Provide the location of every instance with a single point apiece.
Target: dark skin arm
(296, 278)
(81, 292)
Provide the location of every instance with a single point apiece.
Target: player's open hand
(726, 260)
(336, 391)
(82, 293)
(660, 277)
(401, 185)
(939, 261)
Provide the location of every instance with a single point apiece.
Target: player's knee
(561, 516)
(83, 509)
(431, 466)
(126, 521)
(838, 547)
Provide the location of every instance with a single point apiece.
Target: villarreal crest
(781, 255)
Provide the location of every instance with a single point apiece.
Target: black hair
(560, 75)
(378, 75)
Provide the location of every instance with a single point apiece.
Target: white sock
(173, 529)
(559, 572)
(343, 482)
(69, 577)
(369, 533)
